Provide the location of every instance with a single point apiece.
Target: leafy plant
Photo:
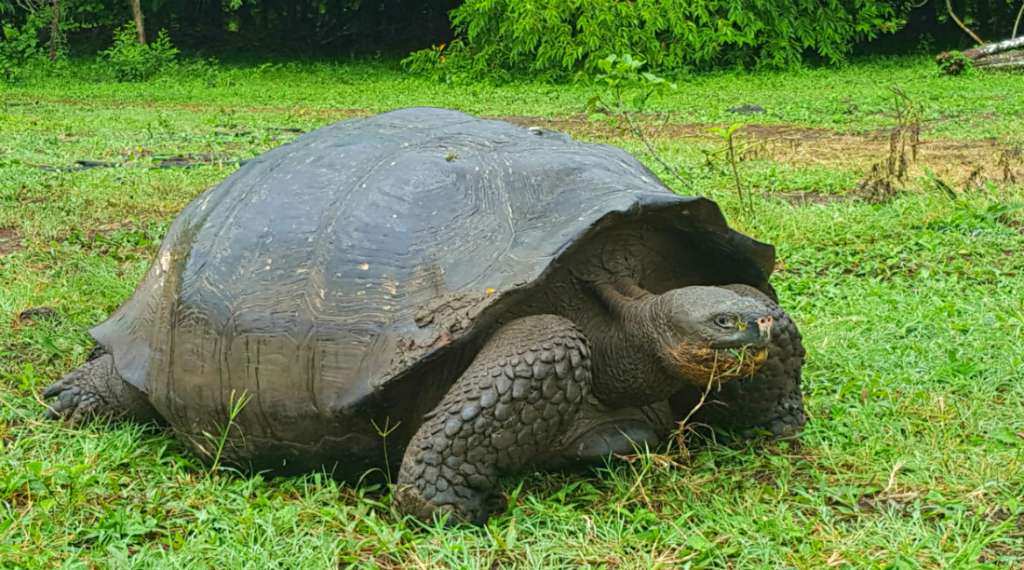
(627, 90)
(727, 135)
(954, 63)
(555, 39)
(452, 62)
(18, 47)
(131, 61)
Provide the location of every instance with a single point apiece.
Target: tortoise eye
(724, 321)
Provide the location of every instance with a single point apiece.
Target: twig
(949, 8)
(684, 423)
(638, 133)
(1016, 22)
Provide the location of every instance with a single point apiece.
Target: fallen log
(997, 55)
(993, 48)
(1005, 59)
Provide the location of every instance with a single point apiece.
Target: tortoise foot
(96, 390)
(431, 500)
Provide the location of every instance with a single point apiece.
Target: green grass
(912, 311)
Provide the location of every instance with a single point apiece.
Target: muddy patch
(10, 241)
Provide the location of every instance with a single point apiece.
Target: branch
(1017, 21)
(949, 8)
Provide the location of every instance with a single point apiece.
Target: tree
(139, 26)
(38, 8)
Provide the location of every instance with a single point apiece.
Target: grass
(912, 309)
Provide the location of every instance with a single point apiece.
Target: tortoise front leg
(505, 413)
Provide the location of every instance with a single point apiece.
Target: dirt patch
(962, 163)
(328, 112)
(804, 198)
(10, 241)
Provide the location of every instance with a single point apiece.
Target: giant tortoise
(452, 298)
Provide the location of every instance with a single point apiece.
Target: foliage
(621, 76)
(131, 61)
(627, 88)
(17, 48)
(450, 63)
(954, 62)
(554, 39)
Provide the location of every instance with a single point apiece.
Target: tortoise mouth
(701, 365)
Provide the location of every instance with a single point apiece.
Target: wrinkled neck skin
(628, 368)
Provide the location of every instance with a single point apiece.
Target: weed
(886, 176)
(954, 63)
(728, 137)
(235, 407)
(384, 432)
(627, 91)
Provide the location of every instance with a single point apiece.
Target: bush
(131, 61)
(17, 48)
(555, 38)
(451, 63)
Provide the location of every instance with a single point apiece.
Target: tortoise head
(710, 334)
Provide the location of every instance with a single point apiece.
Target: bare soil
(10, 241)
(958, 162)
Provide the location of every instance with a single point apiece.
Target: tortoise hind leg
(94, 390)
(504, 414)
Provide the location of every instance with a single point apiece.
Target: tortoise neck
(627, 357)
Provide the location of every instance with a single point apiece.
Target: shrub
(452, 63)
(954, 63)
(17, 48)
(555, 38)
(131, 61)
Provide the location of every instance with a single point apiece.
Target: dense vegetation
(909, 297)
(502, 39)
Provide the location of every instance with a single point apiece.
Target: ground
(910, 298)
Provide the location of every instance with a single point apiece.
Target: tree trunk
(139, 27)
(55, 30)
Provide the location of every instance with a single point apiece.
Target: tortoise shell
(318, 301)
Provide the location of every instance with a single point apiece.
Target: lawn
(911, 302)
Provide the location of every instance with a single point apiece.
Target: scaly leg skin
(770, 402)
(94, 390)
(513, 403)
